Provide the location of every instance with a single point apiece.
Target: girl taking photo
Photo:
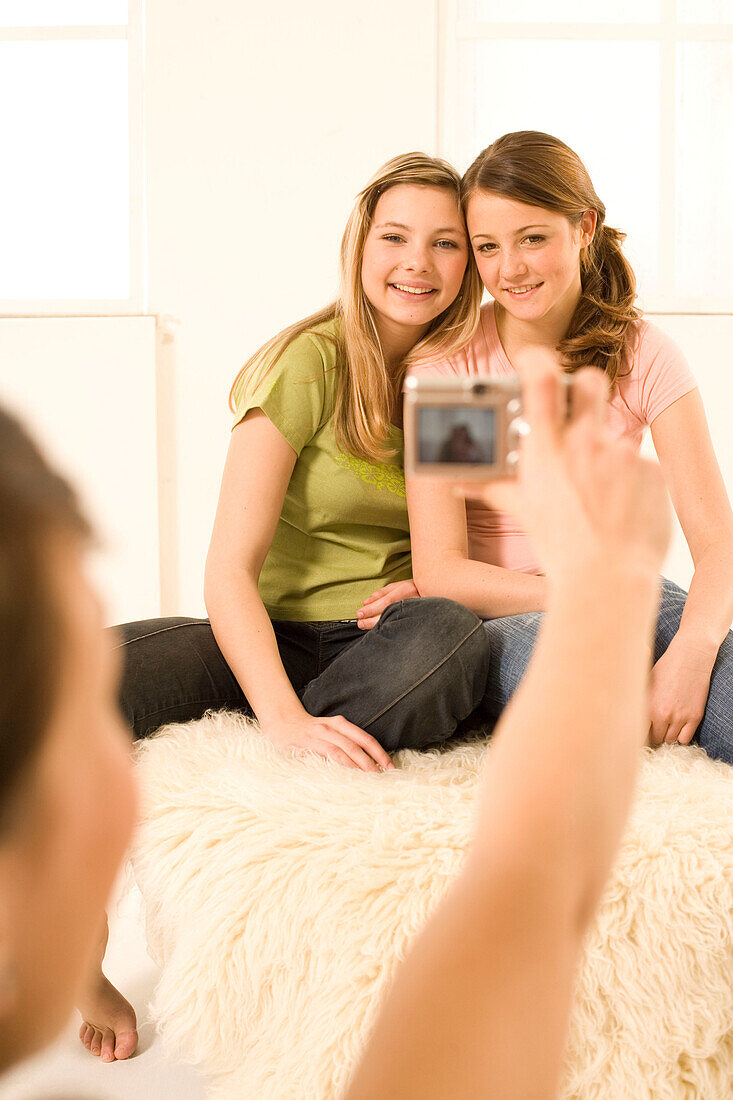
(563, 290)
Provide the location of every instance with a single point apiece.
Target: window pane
(704, 169)
(615, 131)
(705, 11)
(59, 13)
(564, 11)
(65, 186)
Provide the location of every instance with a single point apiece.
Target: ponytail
(599, 329)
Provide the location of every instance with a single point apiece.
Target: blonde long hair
(540, 170)
(365, 390)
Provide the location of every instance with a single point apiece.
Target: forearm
(560, 777)
(709, 606)
(244, 634)
(491, 976)
(488, 590)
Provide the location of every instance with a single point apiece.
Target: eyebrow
(399, 225)
(524, 228)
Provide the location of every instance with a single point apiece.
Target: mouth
(522, 291)
(413, 291)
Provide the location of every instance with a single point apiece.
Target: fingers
(375, 607)
(367, 742)
(332, 752)
(340, 740)
(686, 733)
(657, 732)
(383, 597)
(588, 396)
(367, 624)
(543, 398)
(661, 733)
(376, 595)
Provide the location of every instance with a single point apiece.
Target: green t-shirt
(343, 528)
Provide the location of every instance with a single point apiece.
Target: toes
(107, 1053)
(125, 1044)
(96, 1042)
(85, 1034)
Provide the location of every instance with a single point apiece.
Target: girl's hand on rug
(368, 614)
(333, 737)
(678, 692)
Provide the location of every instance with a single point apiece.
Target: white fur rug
(282, 892)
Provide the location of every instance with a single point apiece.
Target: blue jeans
(512, 639)
(409, 681)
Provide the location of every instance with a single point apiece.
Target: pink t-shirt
(659, 375)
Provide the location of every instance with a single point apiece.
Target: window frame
(133, 33)
(456, 101)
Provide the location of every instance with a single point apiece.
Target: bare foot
(109, 1029)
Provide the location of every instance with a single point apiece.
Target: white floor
(66, 1071)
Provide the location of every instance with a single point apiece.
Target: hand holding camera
(586, 499)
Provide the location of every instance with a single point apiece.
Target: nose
(417, 258)
(512, 266)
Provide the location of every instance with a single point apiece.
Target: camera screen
(455, 433)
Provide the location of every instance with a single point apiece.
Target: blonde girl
(312, 517)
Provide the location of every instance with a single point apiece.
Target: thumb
(544, 399)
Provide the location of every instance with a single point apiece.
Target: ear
(588, 223)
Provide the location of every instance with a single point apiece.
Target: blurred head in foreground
(66, 795)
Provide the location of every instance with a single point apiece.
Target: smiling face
(528, 257)
(414, 260)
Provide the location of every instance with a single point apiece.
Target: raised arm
(441, 565)
(480, 1007)
(256, 475)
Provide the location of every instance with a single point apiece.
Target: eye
(486, 248)
(446, 243)
(535, 238)
(392, 237)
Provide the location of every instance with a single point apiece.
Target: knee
(440, 614)
(672, 591)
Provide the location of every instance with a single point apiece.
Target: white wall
(263, 121)
(261, 125)
(86, 388)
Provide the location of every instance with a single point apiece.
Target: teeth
(522, 289)
(413, 289)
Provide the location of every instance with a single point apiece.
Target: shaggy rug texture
(282, 892)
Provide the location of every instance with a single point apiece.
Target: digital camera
(465, 429)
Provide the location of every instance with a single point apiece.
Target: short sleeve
(664, 373)
(293, 393)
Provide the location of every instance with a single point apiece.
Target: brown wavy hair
(364, 387)
(35, 504)
(540, 170)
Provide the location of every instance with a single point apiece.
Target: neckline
(494, 340)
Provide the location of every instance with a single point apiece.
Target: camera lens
(480, 389)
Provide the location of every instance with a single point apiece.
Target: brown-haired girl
(563, 289)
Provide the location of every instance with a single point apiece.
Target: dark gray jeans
(408, 682)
